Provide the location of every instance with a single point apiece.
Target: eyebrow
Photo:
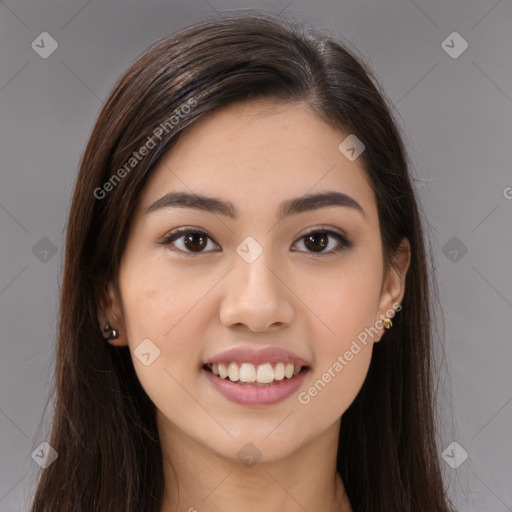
(286, 208)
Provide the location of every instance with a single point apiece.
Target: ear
(109, 311)
(393, 288)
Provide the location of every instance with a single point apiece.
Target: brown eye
(317, 241)
(192, 241)
(195, 241)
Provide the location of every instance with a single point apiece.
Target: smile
(265, 373)
(256, 385)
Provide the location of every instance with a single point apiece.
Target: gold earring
(388, 323)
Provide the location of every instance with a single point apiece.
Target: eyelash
(344, 243)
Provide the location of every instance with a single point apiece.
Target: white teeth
(265, 373)
(223, 371)
(279, 371)
(288, 370)
(248, 372)
(233, 372)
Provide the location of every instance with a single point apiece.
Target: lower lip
(252, 395)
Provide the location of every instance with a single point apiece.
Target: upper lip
(251, 355)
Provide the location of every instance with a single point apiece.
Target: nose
(257, 296)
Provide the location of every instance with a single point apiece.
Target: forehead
(258, 153)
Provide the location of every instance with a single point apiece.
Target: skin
(255, 155)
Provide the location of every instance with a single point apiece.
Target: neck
(199, 479)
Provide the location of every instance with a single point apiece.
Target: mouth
(256, 376)
(241, 384)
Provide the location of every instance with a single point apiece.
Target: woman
(245, 313)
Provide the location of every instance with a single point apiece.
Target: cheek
(336, 380)
(162, 307)
(346, 303)
(160, 301)
(167, 308)
(344, 300)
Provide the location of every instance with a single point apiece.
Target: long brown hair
(104, 427)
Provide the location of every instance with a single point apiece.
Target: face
(299, 284)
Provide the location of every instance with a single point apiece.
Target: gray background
(456, 116)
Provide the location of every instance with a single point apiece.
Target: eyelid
(178, 233)
(323, 227)
(345, 242)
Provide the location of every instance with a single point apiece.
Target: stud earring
(110, 333)
(388, 323)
